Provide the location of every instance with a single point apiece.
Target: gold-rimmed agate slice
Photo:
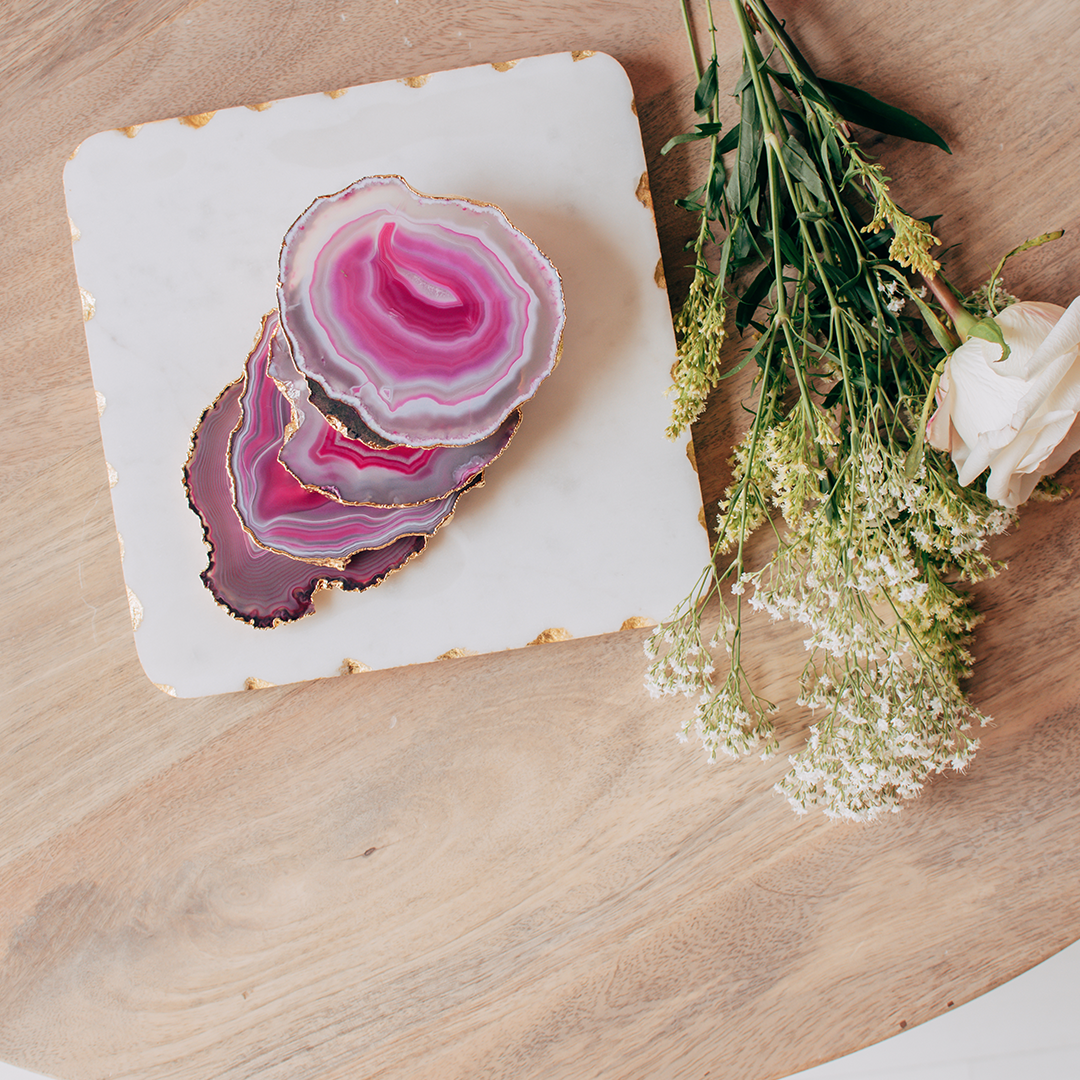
(431, 317)
(324, 459)
(277, 511)
(258, 586)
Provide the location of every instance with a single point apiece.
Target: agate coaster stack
(409, 331)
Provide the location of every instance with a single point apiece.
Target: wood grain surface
(496, 866)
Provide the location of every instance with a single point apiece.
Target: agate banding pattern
(255, 585)
(350, 471)
(409, 331)
(432, 317)
(280, 513)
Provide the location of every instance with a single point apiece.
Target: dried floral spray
(800, 241)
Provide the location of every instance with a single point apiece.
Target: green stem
(690, 38)
(770, 111)
(961, 318)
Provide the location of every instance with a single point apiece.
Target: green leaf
(690, 202)
(745, 79)
(915, 454)
(714, 199)
(689, 136)
(830, 151)
(941, 335)
(751, 299)
(988, 330)
(802, 168)
(729, 141)
(796, 122)
(867, 111)
(705, 94)
(743, 180)
(741, 243)
(754, 204)
(678, 140)
(790, 251)
(725, 257)
(751, 354)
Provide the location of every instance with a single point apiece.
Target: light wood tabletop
(501, 865)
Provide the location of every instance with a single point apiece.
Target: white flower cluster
(887, 728)
(867, 568)
(894, 297)
(733, 721)
(991, 297)
(681, 660)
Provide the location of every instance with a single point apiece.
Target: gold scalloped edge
(552, 633)
(165, 688)
(505, 65)
(637, 622)
(136, 609)
(349, 666)
(198, 120)
(456, 654)
(633, 106)
(253, 683)
(99, 397)
(133, 129)
(582, 54)
(75, 234)
(120, 543)
(89, 304)
(691, 455)
(415, 81)
(643, 194)
(701, 519)
(260, 106)
(335, 94)
(658, 274)
(114, 476)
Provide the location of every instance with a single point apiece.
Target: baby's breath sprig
(875, 537)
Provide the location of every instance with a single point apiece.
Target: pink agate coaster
(432, 317)
(277, 511)
(325, 459)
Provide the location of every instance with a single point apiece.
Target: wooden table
(504, 865)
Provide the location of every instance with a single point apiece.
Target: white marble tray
(591, 516)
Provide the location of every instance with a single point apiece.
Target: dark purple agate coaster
(255, 585)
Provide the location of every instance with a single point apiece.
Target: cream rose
(1016, 417)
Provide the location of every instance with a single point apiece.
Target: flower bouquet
(895, 428)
